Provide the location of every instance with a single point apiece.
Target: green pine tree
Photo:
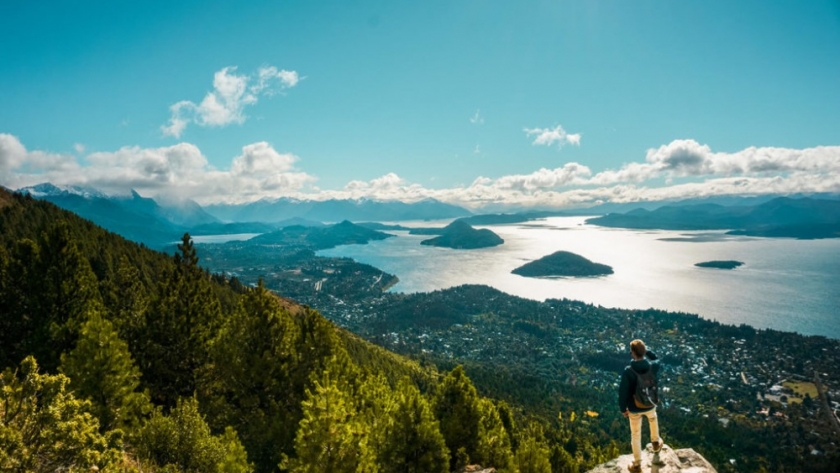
(493, 441)
(182, 441)
(332, 436)
(70, 291)
(249, 385)
(458, 409)
(127, 300)
(533, 453)
(562, 461)
(178, 329)
(48, 286)
(101, 370)
(25, 325)
(44, 428)
(411, 441)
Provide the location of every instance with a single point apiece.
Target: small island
(460, 235)
(562, 264)
(729, 264)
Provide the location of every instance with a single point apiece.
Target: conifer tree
(44, 428)
(506, 416)
(24, 326)
(10, 321)
(127, 300)
(562, 461)
(493, 441)
(178, 329)
(182, 442)
(101, 370)
(533, 453)
(249, 385)
(70, 290)
(332, 436)
(457, 408)
(411, 441)
(49, 286)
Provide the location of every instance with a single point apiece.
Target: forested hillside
(125, 359)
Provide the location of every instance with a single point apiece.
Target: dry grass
(801, 388)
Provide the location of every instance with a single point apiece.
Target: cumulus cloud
(260, 158)
(688, 158)
(180, 171)
(677, 170)
(12, 153)
(551, 136)
(16, 161)
(570, 173)
(231, 93)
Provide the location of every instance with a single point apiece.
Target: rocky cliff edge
(684, 460)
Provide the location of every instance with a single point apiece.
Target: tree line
(125, 359)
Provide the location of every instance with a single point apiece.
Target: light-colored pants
(636, 431)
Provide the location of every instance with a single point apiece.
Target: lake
(785, 284)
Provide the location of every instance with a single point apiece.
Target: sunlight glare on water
(785, 284)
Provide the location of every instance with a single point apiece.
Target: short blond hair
(638, 348)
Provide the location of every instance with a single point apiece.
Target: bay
(785, 284)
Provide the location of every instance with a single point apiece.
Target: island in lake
(562, 263)
(460, 235)
(728, 264)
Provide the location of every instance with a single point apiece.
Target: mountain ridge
(804, 218)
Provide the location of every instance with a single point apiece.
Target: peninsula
(562, 263)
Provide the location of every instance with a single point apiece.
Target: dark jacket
(628, 381)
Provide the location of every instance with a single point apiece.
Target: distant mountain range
(780, 217)
(136, 218)
(272, 211)
(156, 225)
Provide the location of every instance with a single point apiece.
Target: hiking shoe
(635, 468)
(657, 446)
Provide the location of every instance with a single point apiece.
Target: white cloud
(477, 118)
(180, 171)
(16, 161)
(226, 103)
(79, 147)
(387, 187)
(260, 159)
(550, 136)
(12, 153)
(687, 168)
(570, 173)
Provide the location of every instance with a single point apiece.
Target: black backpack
(647, 392)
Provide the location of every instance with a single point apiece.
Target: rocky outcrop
(476, 469)
(684, 460)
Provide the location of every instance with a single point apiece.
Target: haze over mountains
(780, 217)
(146, 221)
(158, 223)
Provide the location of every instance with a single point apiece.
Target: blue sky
(484, 104)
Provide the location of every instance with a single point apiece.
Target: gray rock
(477, 469)
(685, 460)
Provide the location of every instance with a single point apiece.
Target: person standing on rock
(637, 398)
